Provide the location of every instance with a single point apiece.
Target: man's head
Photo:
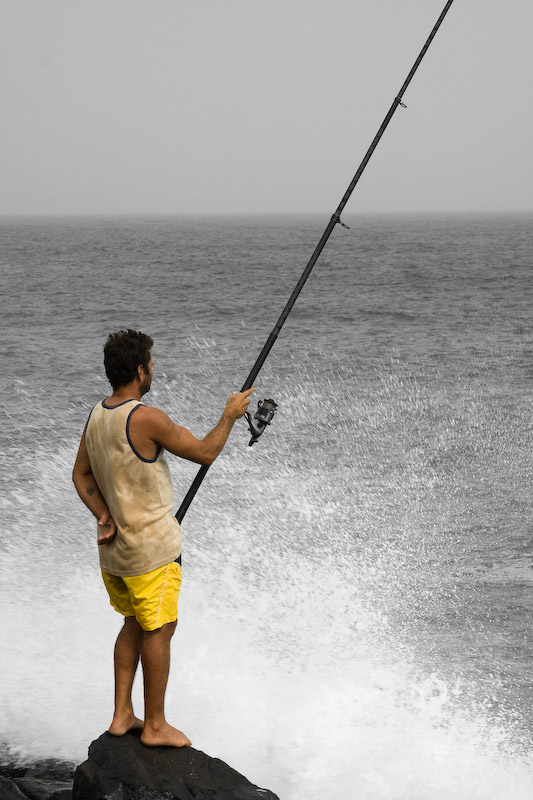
(124, 353)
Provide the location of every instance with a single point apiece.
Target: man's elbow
(76, 480)
(206, 456)
(78, 477)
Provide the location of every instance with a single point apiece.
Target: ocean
(356, 609)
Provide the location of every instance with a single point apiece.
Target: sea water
(355, 615)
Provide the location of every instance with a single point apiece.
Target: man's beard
(145, 385)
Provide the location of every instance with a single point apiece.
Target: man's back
(138, 492)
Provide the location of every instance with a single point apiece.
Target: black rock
(121, 768)
(50, 769)
(9, 790)
(37, 789)
(42, 780)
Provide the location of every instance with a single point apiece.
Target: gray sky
(172, 106)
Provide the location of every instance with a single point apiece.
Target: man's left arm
(87, 488)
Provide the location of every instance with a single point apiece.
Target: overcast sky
(172, 106)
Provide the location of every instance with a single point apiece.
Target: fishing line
(267, 408)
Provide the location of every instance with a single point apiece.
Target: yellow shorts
(152, 598)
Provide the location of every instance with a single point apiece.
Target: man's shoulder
(150, 415)
(152, 423)
(148, 410)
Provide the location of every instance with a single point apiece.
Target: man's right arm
(181, 442)
(89, 492)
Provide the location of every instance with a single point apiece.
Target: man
(122, 477)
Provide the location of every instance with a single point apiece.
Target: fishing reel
(262, 417)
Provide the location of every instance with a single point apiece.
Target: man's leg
(127, 653)
(155, 654)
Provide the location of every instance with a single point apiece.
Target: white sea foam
(279, 677)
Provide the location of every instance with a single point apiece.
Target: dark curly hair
(124, 351)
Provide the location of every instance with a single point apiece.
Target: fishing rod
(266, 408)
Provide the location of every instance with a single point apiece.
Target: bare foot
(164, 735)
(124, 724)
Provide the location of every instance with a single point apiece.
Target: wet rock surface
(43, 780)
(121, 768)
(125, 769)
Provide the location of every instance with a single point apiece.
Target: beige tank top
(138, 493)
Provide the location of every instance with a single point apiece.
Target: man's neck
(131, 391)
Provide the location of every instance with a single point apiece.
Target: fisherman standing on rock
(121, 475)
